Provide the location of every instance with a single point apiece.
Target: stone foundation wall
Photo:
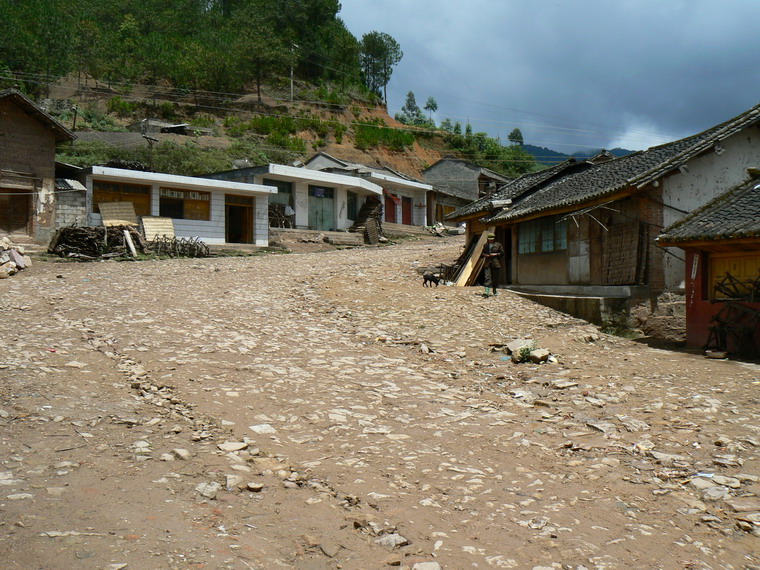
(664, 317)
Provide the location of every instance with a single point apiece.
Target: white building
(405, 199)
(314, 199)
(216, 211)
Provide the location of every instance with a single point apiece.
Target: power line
(225, 96)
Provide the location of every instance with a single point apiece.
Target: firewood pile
(95, 243)
(12, 258)
(108, 242)
(179, 247)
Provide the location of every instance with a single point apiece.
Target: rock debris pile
(12, 258)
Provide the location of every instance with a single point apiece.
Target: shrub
(121, 107)
(369, 135)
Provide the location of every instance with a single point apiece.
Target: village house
(216, 211)
(27, 168)
(456, 183)
(580, 236)
(404, 199)
(308, 199)
(721, 241)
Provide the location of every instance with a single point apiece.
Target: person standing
(492, 253)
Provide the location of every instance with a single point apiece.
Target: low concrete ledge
(590, 307)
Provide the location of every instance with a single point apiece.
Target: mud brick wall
(26, 146)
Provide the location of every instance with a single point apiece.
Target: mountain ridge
(548, 157)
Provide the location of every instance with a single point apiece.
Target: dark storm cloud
(573, 74)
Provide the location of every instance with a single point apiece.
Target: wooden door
(406, 210)
(14, 211)
(238, 219)
(390, 210)
(578, 253)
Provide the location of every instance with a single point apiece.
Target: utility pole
(292, 62)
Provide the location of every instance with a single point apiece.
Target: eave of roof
(732, 216)
(109, 173)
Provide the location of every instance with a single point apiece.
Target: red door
(406, 210)
(390, 210)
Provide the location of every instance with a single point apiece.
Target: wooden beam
(472, 262)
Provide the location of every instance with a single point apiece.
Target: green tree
(380, 53)
(515, 137)
(262, 54)
(431, 107)
(411, 114)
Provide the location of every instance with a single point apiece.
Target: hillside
(225, 128)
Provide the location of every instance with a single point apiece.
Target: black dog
(428, 279)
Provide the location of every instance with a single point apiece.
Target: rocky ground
(324, 410)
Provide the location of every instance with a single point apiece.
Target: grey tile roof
(449, 190)
(474, 167)
(732, 215)
(511, 190)
(574, 187)
(606, 178)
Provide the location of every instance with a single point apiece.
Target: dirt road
(325, 410)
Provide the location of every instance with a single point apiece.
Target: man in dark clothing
(492, 253)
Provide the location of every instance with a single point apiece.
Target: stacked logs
(94, 243)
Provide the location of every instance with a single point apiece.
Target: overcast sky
(573, 74)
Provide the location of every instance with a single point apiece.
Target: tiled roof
(574, 187)
(604, 179)
(732, 215)
(359, 168)
(510, 191)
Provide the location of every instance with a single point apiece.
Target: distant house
(456, 183)
(587, 229)
(309, 199)
(216, 211)
(404, 199)
(27, 168)
(722, 244)
(154, 126)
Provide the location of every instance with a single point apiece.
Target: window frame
(196, 204)
(542, 235)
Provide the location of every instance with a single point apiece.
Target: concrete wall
(70, 208)
(706, 177)
(419, 204)
(459, 176)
